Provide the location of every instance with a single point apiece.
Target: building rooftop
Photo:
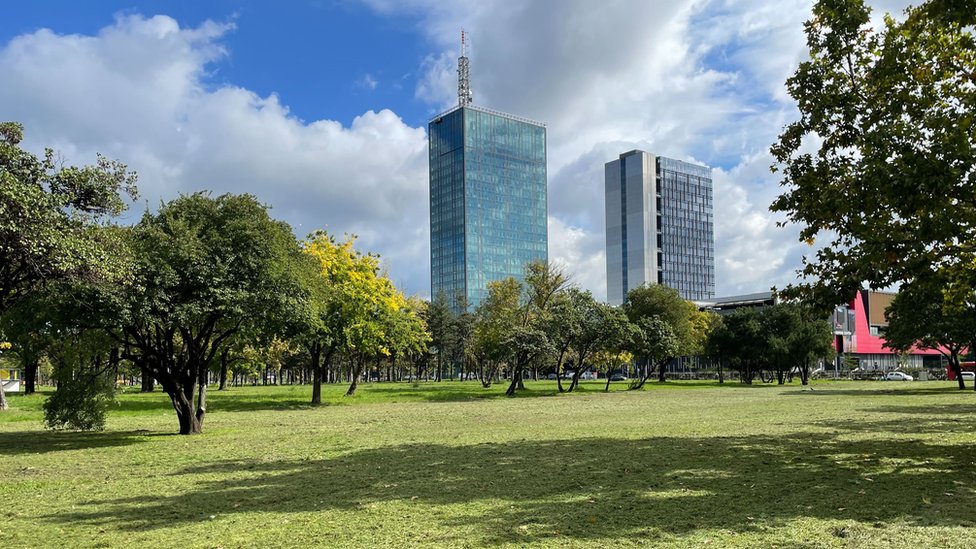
(488, 111)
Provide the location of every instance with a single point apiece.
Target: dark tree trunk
(516, 381)
(606, 388)
(183, 404)
(223, 371)
(148, 382)
(779, 377)
(356, 372)
(30, 377)
(721, 373)
(957, 370)
(315, 353)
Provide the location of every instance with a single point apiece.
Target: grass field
(844, 464)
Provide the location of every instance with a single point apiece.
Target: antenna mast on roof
(464, 85)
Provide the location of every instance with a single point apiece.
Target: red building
(859, 334)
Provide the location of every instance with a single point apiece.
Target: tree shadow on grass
(588, 489)
(890, 388)
(42, 442)
(935, 418)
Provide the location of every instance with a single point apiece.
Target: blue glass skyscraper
(487, 200)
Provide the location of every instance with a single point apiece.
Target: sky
(320, 107)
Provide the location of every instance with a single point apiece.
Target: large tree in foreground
(881, 164)
(50, 217)
(204, 269)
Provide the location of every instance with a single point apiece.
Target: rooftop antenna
(464, 85)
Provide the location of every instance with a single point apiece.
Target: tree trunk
(202, 399)
(957, 370)
(662, 371)
(721, 373)
(516, 381)
(30, 376)
(606, 389)
(3, 398)
(779, 377)
(148, 382)
(223, 371)
(356, 372)
(189, 424)
(315, 353)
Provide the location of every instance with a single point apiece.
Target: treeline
(209, 290)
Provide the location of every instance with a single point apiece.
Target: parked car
(969, 376)
(552, 376)
(588, 375)
(898, 376)
(618, 377)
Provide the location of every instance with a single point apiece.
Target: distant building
(488, 203)
(725, 305)
(859, 334)
(659, 226)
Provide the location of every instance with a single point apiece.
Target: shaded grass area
(848, 464)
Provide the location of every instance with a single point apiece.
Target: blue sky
(320, 107)
(317, 55)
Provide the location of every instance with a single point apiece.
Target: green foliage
(779, 338)
(890, 116)
(919, 316)
(205, 269)
(81, 400)
(51, 218)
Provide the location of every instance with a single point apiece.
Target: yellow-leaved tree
(357, 309)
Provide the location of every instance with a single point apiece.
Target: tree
(656, 300)
(204, 269)
(355, 308)
(919, 318)
(50, 217)
(891, 183)
(28, 329)
(528, 340)
(654, 340)
(739, 341)
(495, 318)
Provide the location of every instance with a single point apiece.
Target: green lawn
(844, 464)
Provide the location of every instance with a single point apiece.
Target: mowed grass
(841, 464)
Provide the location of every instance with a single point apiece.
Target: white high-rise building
(659, 226)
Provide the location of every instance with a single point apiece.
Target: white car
(969, 376)
(898, 376)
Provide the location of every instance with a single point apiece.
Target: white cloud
(698, 79)
(367, 82)
(136, 92)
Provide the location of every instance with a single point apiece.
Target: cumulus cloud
(138, 91)
(695, 80)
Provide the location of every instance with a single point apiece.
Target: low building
(725, 305)
(859, 336)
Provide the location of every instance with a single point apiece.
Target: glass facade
(487, 200)
(686, 248)
(659, 226)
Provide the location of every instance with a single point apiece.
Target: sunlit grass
(685, 464)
